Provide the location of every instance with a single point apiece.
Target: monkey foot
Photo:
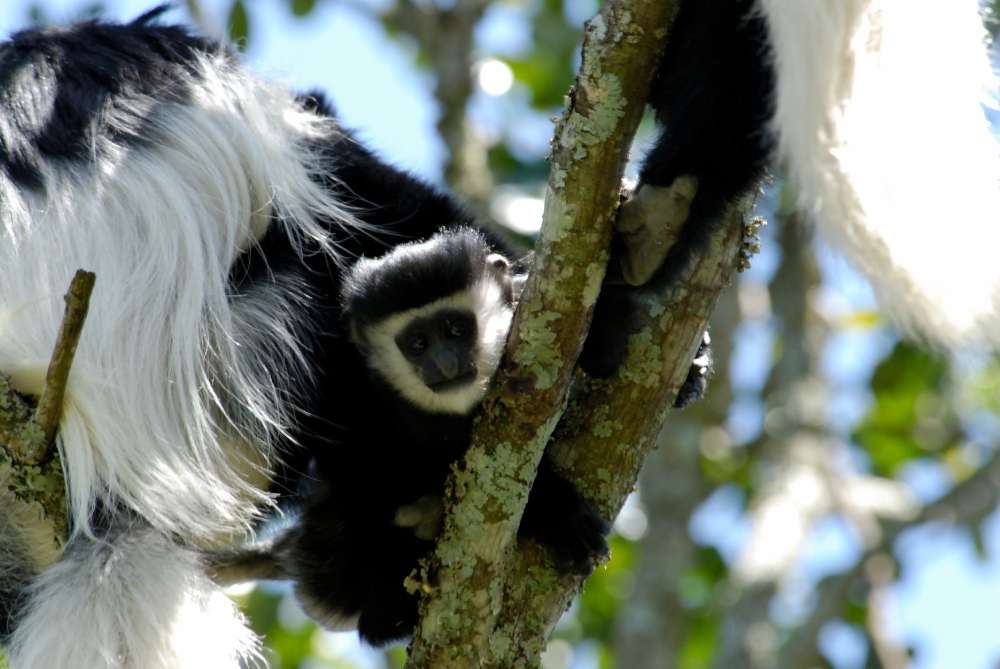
(649, 223)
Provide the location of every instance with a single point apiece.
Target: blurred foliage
(287, 647)
(548, 70)
(508, 169)
(910, 417)
(991, 17)
(607, 590)
(301, 7)
(38, 15)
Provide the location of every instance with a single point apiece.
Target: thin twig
(50, 403)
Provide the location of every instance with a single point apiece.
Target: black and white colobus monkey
(429, 321)
(219, 212)
(198, 193)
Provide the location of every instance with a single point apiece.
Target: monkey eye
(458, 329)
(417, 343)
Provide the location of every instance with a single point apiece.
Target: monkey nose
(447, 363)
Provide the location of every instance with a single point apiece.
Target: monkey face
(442, 348)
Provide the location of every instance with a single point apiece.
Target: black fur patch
(415, 274)
(66, 92)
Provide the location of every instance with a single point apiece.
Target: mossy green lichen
(500, 642)
(448, 616)
(558, 177)
(642, 365)
(605, 487)
(480, 599)
(452, 554)
(607, 106)
(751, 242)
(496, 476)
(557, 225)
(597, 28)
(666, 319)
(538, 353)
(41, 485)
(601, 426)
(595, 278)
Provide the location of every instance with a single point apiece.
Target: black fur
(61, 85)
(374, 452)
(696, 382)
(445, 265)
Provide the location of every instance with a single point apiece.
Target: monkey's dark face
(441, 356)
(442, 348)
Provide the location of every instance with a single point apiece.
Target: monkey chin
(457, 383)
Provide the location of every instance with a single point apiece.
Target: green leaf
(910, 415)
(302, 7)
(699, 649)
(239, 25)
(889, 450)
(287, 647)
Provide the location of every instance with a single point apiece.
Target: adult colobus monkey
(155, 159)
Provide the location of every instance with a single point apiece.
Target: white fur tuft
(133, 601)
(160, 375)
(879, 117)
(493, 317)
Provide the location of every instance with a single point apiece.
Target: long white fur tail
(879, 119)
(134, 600)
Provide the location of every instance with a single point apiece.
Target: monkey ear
(498, 262)
(357, 337)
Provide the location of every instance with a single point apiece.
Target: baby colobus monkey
(429, 321)
(431, 318)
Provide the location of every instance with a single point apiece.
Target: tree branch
(967, 504)
(611, 426)
(445, 35)
(466, 578)
(50, 403)
(31, 470)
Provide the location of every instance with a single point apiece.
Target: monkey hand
(425, 516)
(561, 519)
